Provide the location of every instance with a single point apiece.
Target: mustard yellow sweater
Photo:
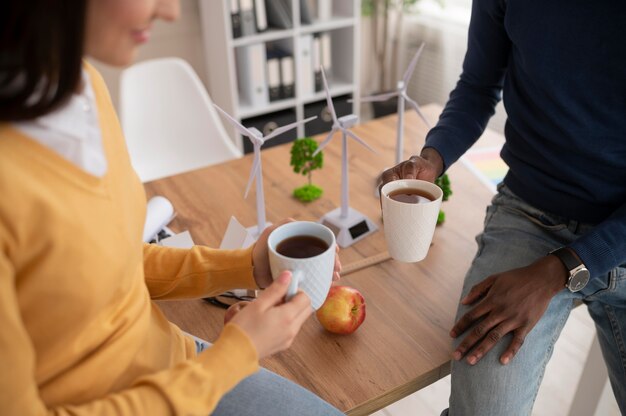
(79, 334)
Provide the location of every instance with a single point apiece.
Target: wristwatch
(578, 273)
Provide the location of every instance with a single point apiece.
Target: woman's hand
(428, 166)
(261, 262)
(271, 323)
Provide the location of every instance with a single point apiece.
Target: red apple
(343, 311)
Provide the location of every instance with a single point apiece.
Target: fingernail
(506, 360)
(456, 355)
(471, 360)
(453, 334)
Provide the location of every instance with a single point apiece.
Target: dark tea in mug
(301, 247)
(411, 196)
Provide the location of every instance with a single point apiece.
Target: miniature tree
(304, 163)
(444, 183)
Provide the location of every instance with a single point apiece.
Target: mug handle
(293, 285)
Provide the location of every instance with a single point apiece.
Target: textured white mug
(409, 228)
(312, 275)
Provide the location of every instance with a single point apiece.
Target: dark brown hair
(41, 50)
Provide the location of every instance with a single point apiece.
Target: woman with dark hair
(80, 334)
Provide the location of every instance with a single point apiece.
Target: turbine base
(351, 229)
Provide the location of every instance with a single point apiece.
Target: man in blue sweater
(556, 231)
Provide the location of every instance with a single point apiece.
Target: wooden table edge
(400, 392)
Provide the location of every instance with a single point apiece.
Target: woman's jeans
(516, 234)
(267, 394)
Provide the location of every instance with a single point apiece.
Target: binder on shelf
(251, 63)
(305, 12)
(261, 16)
(312, 8)
(287, 78)
(279, 13)
(326, 53)
(324, 9)
(235, 18)
(248, 21)
(317, 62)
(306, 65)
(273, 78)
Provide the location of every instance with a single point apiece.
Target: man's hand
(509, 302)
(428, 166)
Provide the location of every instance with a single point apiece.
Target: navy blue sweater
(561, 67)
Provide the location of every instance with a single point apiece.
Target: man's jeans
(515, 235)
(267, 394)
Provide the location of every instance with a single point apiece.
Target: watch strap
(567, 257)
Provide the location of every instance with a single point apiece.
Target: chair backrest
(169, 120)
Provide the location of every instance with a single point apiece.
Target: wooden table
(403, 345)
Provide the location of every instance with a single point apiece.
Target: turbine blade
(329, 100)
(325, 142)
(379, 97)
(411, 68)
(417, 109)
(255, 168)
(234, 122)
(288, 127)
(358, 139)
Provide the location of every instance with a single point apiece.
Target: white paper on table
(236, 236)
(180, 240)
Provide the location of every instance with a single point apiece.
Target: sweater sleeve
(604, 248)
(194, 386)
(479, 88)
(174, 273)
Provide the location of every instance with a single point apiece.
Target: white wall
(182, 38)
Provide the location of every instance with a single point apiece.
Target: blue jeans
(267, 394)
(516, 234)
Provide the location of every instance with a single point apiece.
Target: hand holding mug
(428, 167)
(270, 323)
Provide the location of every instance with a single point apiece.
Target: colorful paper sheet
(487, 165)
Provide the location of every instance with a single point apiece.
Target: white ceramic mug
(313, 275)
(409, 228)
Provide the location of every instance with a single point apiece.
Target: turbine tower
(403, 97)
(348, 224)
(257, 139)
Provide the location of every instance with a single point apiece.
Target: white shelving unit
(220, 46)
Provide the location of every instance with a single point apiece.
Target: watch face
(578, 280)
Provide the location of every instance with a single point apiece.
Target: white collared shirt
(73, 131)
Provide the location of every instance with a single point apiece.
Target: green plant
(305, 163)
(444, 183)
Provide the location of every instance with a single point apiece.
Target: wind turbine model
(400, 92)
(257, 139)
(348, 224)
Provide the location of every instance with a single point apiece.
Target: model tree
(304, 163)
(444, 183)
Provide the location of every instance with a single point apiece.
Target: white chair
(169, 120)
